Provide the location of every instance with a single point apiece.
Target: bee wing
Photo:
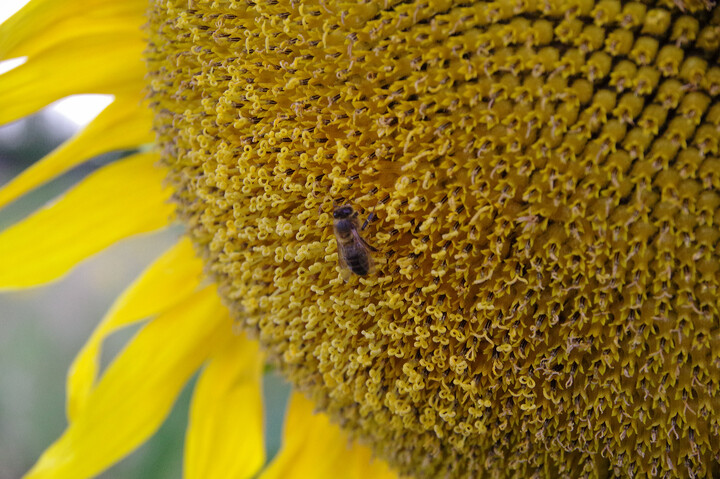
(361, 243)
(360, 240)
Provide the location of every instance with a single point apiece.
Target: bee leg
(345, 274)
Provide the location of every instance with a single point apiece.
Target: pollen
(542, 184)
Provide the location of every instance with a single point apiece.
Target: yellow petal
(138, 389)
(117, 201)
(41, 23)
(313, 447)
(125, 123)
(225, 434)
(170, 279)
(107, 62)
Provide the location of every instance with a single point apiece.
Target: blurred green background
(42, 329)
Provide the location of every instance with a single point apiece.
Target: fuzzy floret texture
(544, 183)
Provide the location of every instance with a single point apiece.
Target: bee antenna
(370, 217)
(322, 203)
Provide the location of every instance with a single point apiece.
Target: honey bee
(353, 250)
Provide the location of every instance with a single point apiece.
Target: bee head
(343, 212)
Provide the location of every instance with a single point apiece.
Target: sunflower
(539, 181)
(97, 47)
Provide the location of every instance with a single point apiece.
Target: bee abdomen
(358, 264)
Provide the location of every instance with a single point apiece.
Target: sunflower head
(543, 180)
